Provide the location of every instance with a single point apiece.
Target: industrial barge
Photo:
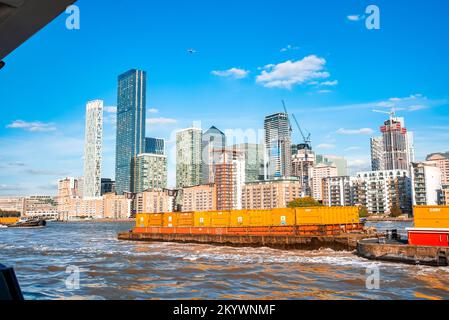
(427, 244)
(338, 228)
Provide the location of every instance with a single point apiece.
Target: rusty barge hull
(339, 243)
(402, 253)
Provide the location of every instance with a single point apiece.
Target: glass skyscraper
(131, 111)
(155, 146)
(212, 140)
(278, 145)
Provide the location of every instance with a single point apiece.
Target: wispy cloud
(326, 146)
(161, 121)
(35, 126)
(324, 91)
(359, 165)
(234, 73)
(353, 148)
(289, 48)
(329, 83)
(355, 17)
(110, 116)
(290, 73)
(110, 109)
(411, 103)
(6, 187)
(153, 111)
(38, 172)
(348, 132)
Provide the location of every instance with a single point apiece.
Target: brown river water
(44, 259)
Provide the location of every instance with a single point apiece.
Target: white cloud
(414, 102)
(407, 104)
(359, 165)
(289, 48)
(161, 121)
(363, 131)
(36, 126)
(287, 74)
(234, 73)
(324, 91)
(329, 83)
(326, 146)
(153, 111)
(111, 109)
(6, 187)
(355, 17)
(354, 148)
(39, 172)
(418, 107)
(110, 115)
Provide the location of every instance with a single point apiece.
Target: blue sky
(317, 55)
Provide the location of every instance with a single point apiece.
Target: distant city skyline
(233, 81)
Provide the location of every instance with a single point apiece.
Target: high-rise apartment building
(131, 110)
(339, 192)
(302, 162)
(383, 191)
(200, 198)
(444, 196)
(149, 172)
(229, 179)
(317, 174)
(254, 160)
(441, 160)
(188, 158)
(278, 145)
(377, 154)
(426, 183)
(265, 195)
(212, 139)
(93, 144)
(395, 149)
(155, 201)
(68, 189)
(155, 146)
(116, 207)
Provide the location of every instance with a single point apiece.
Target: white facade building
(426, 180)
(382, 191)
(93, 149)
(317, 174)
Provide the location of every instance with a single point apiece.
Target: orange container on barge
(277, 222)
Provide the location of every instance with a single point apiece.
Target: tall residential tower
(278, 145)
(131, 110)
(188, 157)
(93, 148)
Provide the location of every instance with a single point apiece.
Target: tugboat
(29, 223)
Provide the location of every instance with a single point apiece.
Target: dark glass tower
(131, 111)
(155, 146)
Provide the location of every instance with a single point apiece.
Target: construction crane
(391, 113)
(307, 147)
(286, 112)
(306, 139)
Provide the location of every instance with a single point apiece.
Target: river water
(110, 269)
